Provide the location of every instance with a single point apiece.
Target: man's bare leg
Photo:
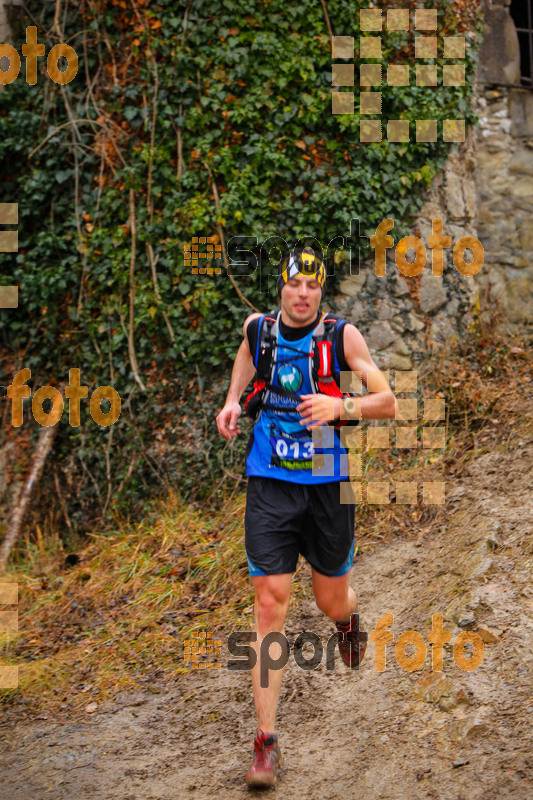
(272, 595)
(334, 596)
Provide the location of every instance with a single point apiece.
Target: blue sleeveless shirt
(279, 446)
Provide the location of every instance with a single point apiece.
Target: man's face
(300, 299)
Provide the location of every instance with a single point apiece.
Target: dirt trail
(391, 734)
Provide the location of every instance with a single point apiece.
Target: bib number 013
(294, 449)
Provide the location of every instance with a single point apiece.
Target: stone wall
(404, 318)
(484, 190)
(8, 8)
(504, 169)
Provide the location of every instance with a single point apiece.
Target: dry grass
(121, 612)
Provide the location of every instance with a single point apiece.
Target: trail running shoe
(352, 642)
(267, 757)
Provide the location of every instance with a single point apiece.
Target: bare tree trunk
(44, 445)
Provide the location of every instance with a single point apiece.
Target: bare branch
(62, 502)
(223, 243)
(131, 348)
(327, 18)
(153, 262)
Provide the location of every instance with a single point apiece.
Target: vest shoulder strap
(324, 338)
(265, 346)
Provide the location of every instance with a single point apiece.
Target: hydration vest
(324, 366)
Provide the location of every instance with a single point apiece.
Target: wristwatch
(350, 409)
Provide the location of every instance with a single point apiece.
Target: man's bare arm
(316, 409)
(380, 403)
(241, 375)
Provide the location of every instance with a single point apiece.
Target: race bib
(291, 450)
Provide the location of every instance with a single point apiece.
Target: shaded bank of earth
(391, 734)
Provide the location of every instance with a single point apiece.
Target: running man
(293, 502)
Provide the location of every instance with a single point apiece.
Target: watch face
(349, 406)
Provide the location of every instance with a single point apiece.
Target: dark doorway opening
(522, 14)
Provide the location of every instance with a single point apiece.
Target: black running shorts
(284, 519)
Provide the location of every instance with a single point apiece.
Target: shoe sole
(261, 783)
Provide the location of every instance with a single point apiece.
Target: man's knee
(331, 608)
(333, 604)
(272, 603)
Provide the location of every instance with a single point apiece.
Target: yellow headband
(306, 264)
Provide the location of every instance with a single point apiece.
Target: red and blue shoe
(352, 642)
(267, 758)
